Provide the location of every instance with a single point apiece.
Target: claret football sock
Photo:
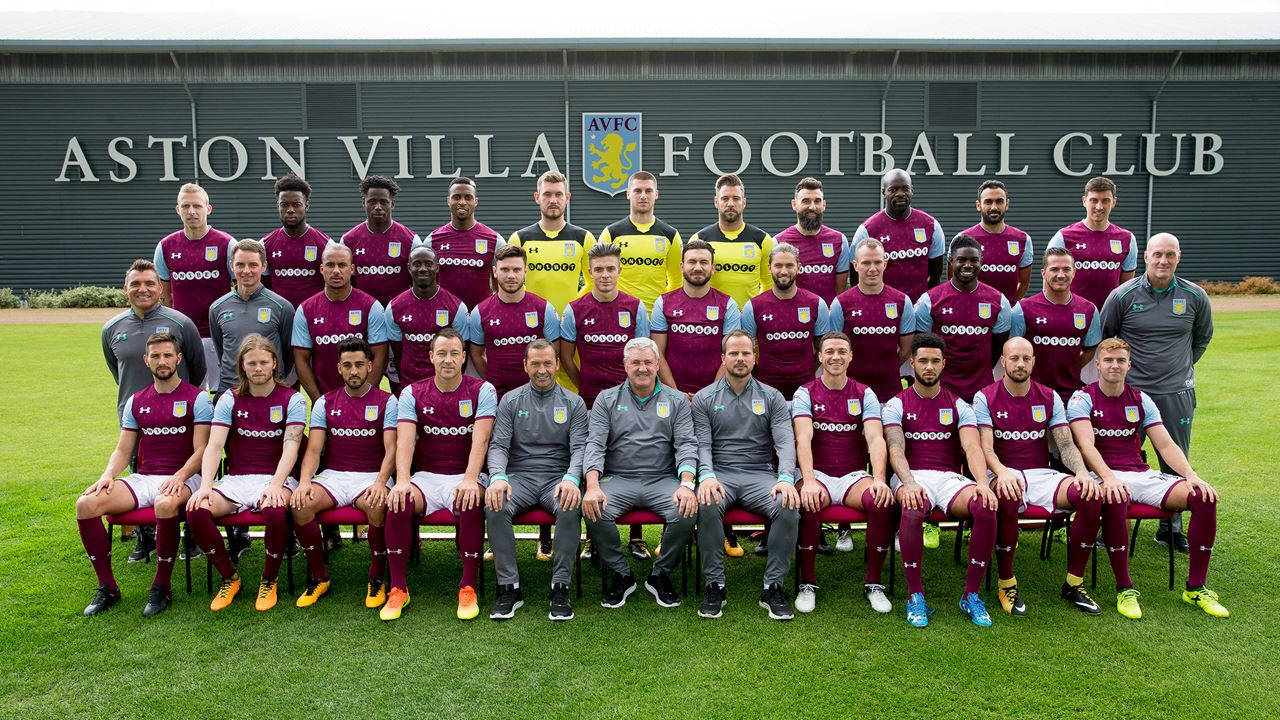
(98, 545)
(166, 549)
(277, 532)
(1201, 532)
(312, 541)
(981, 542)
(377, 551)
(210, 540)
(879, 535)
(911, 540)
(1115, 535)
(1083, 530)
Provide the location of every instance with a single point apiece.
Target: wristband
(688, 484)
(785, 478)
(571, 478)
(499, 476)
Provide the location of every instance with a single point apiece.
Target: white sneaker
(844, 541)
(875, 596)
(807, 598)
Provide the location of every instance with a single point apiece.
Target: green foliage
(9, 300)
(42, 299)
(89, 296)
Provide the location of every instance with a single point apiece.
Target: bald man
(913, 241)
(325, 319)
(1168, 324)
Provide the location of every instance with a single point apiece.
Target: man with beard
(535, 461)
(688, 323)
(500, 326)
(464, 247)
(557, 250)
(168, 421)
(417, 314)
(1063, 326)
(325, 319)
(913, 240)
(354, 428)
(972, 317)
(785, 320)
(1011, 274)
(1015, 417)
(650, 247)
(1106, 255)
(295, 249)
(741, 249)
(824, 259)
(733, 419)
(929, 430)
(380, 245)
(641, 455)
(838, 433)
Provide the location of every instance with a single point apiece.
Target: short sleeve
(475, 332)
(1130, 263)
(1028, 255)
(658, 319)
(823, 326)
(301, 334)
(801, 406)
(127, 420)
(845, 258)
(203, 411)
(748, 320)
(1093, 336)
(460, 319)
(938, 247)
(377, 324)
(981, 414)
(642, 321)
(924, 314)
(389, 416)
(1056, 241)
(732, 318)
(1002, 319)
(835, 316)
(423, 242)
(1080, 407)
(568, 325)
(1150, 413)
(487, 402)
(907, 325)
(550, 323)
(964, 411)
(231, 252)
(222, 412)
(1059, 414)
(1017, 322)
(319, 418)
(870, 405)
(162, 268)
(297, 414)
(891, 413)
(394, 334)
(407, 407)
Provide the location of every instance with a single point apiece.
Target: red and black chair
(147, 516)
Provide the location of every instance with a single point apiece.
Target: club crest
(660, 244)
(610, 150)
(570, 249)
(210, 252)
(1131, 413)
(749, 252)
(1037, 413)
(757, 407)
(855, 406)
(1078, 319)
(803, 314)
(560, 414)
(624, 318)
(1117, 247)
(264, 315)
(310, 252)
(354, 317)
(713, 312)
(921, 237)
(1179, 306)
(1012, 245)
(277, 413)
(465, 408)
(393, 249)
(531, 319)
(946, 416)
(442, 317)
(482, 245)
(664, 408)
(891, 310)
(828, 249)
(984, 310)
(180, 408)
(370, 412)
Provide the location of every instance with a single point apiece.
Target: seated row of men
(452, 447)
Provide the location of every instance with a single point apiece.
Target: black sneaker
(291, 548)
(239, 543)
(620, 588)
(332, 537)
(662, 589)
(145, 546)
(190, 549)
(1076, 595)
(103, 600)
(823, 547)
(775, 601)
(510, 599)
(561, 607)
(762, 546)
(1179, 540)
(158, 599)
(712, 601)
(638, 549)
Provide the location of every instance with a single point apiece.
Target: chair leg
(697, 568)
(577, 575)
(1171, 561)
(1133, 538)
(208, 575)
(959, 540)
(893, 566)
(1093, 566)
(795, 572)
(186, 542)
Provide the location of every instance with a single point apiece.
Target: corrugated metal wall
(58, 234)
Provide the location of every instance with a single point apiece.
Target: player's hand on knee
(103, 485)
(686, 501)
(1086, 486)
(881, 494)
(467, 495)
(375, 497)
(989, 500)
(568, 496)
(172, 486)
(274, 497)
(593, 503)
(911, 496)
(497, 494)
(301, 496)
(710, 492)
(1204, 489)
(813, 497)
(1008, 487)
(787, 491)
(398, 499)
(1114, 491)
(202, 498)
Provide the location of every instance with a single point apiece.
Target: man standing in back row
(1106, 255)
(465, 247)
(742, 266)
(295, 248)
(913, 241)
(1006, 249)
(650, 247)
(824, 262)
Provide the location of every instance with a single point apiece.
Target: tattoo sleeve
(897, 443)
(1067, 450)
(293, 433)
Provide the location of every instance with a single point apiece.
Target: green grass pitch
(338, 660)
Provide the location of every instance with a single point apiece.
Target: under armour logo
(1004, 548)
(882, 549)
(589, 321)
(910, 565)
(1002, 414)
(307, 548)
(855, 313)
(766, 317)
(819, 408)
(443, 246)
(1042, 321)
(885, 239)
(318, 321)
(719, 408)
(1206, 548)
(1097, 413)
(336, 411)
(471, 554)
(1122, 548)
(175, 256)
(359, 251)
(242, 413)
(142, 410)
(979, 563)
(429, 410)
(911, 416)
(522, 413)
(167, 560)
(677, 313)
(277, 253)
(406, 318)
(1086, 545)
(495, 321)
(947, 311)
(394, 551)
(270, 554)
(1081, 246)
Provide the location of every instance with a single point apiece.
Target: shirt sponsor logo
(664, 408)
(920, 235)
(624, 318)
(560, 414)
(393, 249)
(713, 312)
(1012, 245)
(1037, 413)
(211, 252)
(945, 416)
(531, 319)
(370, 412)
(757, 407)
(277, 413)
(828, 249)
(1079, 320)
(855, 406)
(1179, 306)
(803, 314)
(1131, 413)
(310, 253)
(465, 408)
(891, 310)
(984, 310)
(1117, 247)
(354, 317)
(180, 408)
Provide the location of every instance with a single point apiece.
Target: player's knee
(1008, 509)
(88, 506)
(982, 516)
(275, 515)
(712, 513)
(913, 518)
(1091, 507)
(1196, 501)
(785, 516)
(167, 506)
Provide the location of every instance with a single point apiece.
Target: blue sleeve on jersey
(1059, 415)
(1093, 335)
(1130, 263)
(421, 242)
(835, 317)
(318, 414)
(908, 324)
(747, 321)
(569, 324)
(550, 323)
(732, 318)
(394, 333)
(924, 313)
(858, 236)
(801, 405)
(891, 413)
(407, 407)
(1017, 322)
(965, 411)
(203, 411)
(497, 244)
(845, 258)
(231, 251)
(301, 333)
(1056, 241)
(981, 414)
(823, 326)
(377, 324)
(870, 405)
(389, 414)
(1080, 407)
(222, 412)
(657, 319)
(1028, 255)
(127, 420)
(487, 402)
(460, 318)
(162, 268)
(297, 414)
(1150, 413)
(1002, 320)
(938, 247)
(642, 321)
(475, 332)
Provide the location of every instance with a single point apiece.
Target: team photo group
(557, 377)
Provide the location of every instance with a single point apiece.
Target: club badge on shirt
(920, 235)
(1079, 320)
(354, 316)
(624, 318)
(855, 406)
(560, 414)
(828, 249)
(482, 245)
(310, 253)
(531, 319)
(180, 408)
(660, 244)
(664, 408)
(1131, 413)
(749, 252)
(713, 312)
(210, 252)
(1179, 306)
(1037, 413)
(945, 416)
(465, 408)
(757, 407)
(891, 310)
(393, 249)
(984, 310)
(1117, 247)
(370, 412)
(1012, 245)
(570, 249)
(277, 413)
(442, 317)
(803, 314)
